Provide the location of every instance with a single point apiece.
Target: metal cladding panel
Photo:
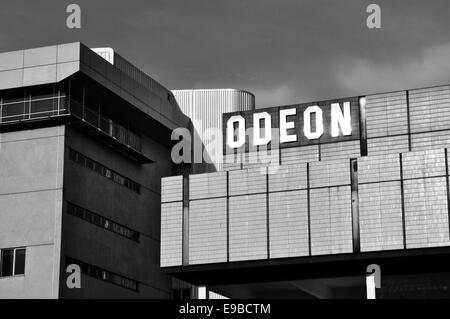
(429, 109)
(426, 213)
(429, 163)
(380, 215)
(288, 224)
(171, 189)
(205, 109)
(388, 145)
(331, 220)
(248, 227)
(247, 181)
(329, 173)
(430, 140)
(386, 114)
(231, 163)
(208, 185)
(208, 231)
(340, 150)
(288, 177)
(300, 154)
(171, 234)
(378, 168)
(261, 158)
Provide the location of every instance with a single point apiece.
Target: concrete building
(301, 211)
(83, 146)
(205, 108)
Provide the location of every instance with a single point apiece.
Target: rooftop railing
(44, 107)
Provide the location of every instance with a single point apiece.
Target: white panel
(429, 109)
(340, 150)
(424, 164)
(248, 227)
(208, 185)
(288, 224)
(380, 215)
(288, 177)
(208, 231)
(331, 221)
(329, 173)
(171, 234)
(379, 168)
(171, 189)
(248, 181)
(426, 213)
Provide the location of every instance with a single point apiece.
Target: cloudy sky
(284, 51)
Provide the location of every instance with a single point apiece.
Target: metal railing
(33, 108)
(106, 125)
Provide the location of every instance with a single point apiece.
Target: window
(12, 262)
(104, 275)
(102, 222)
(102, 170)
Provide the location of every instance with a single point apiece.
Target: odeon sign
(296, 125)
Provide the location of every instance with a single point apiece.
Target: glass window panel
(19, 267)
(7, 262)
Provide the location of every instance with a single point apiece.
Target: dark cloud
(284, 51)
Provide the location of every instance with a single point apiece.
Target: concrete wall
(141, 212)
(31, 174)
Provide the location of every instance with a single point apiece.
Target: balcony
(59, 109)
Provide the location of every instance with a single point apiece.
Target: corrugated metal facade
(205, 109)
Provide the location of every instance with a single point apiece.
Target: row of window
(101, 221)
(104, 171)
(12, 262)
(104, 275)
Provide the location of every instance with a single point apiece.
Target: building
(205, 108)
(314, 193)
(83, 145)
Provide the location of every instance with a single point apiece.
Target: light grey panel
(261, 158)
(301, 154)
(288, 224)
(340, 150)
(208, 231)
(232, 161)
(171, 189)
(11, 79)
(431, 140)
(39, 56)
(66, 69)
(171, 234)
(380, 216)
(379, 168)
(39, 75)
(426, 213)
(68, 52)
(387, 145)
(424, 164)
(11, 60)
(331, 220)
(386, 114)
(208, 185)
(247, 181)
(248, 227)
(288, 177)
(329, 173)
(430, 109)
